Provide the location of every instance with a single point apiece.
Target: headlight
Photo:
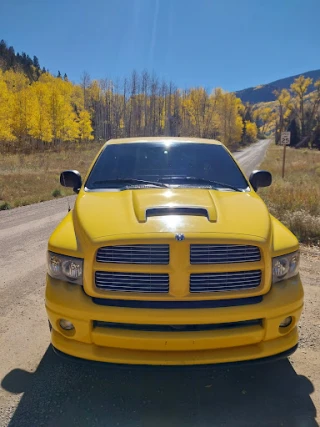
(285, 266)
(65, 268)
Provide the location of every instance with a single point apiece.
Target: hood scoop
(176, 210)
(107, 217)
(187, 202)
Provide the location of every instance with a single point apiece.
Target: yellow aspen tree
(300, 87)
(16, 81)
(55, 105)
(63, 118)
(17, 85)
(197, 105)
(85, 128)
(69, 120)
(251, 131)
(266, 117)
(25, 113)
(286, 104)
(6, 112)
(236, 130)
(314, 111)
(229, 121)
(20, 107)
(67, 124)
(77, 99)
(40, 126)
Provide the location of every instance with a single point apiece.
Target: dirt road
(39, 389)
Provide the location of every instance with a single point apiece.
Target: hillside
(264, 93)
(21, 63)
(9, 60)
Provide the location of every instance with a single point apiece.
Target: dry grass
(32, 178)
(295, 200)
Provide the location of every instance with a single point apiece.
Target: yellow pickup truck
(169, 257)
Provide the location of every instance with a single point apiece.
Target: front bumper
(127, 346)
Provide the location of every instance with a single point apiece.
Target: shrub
(305, 226)
(56, 192)
(4, 206)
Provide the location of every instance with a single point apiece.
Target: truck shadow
(62, 393)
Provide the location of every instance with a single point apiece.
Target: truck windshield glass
(178, 164)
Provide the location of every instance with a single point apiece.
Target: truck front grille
(223, 254)
(132, 282)
(223, 282)
(134, 254)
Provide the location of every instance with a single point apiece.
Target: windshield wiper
(204, 181)
(131, 181)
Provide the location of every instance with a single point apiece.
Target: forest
(39, 110)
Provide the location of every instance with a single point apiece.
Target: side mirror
(71, 179)
(260, 179)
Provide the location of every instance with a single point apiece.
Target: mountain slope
(9, 60)
(264, 93)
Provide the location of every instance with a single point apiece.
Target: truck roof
(162, 139)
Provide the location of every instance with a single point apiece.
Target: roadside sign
(285, 138)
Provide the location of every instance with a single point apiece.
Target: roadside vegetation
(295, 200)
(33, 178)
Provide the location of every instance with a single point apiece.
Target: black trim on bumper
(177, 304)
(176, 328)
(262, 360)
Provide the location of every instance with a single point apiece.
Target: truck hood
(100, 215)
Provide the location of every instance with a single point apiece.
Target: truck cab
(170, 257)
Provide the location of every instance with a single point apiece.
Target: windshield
(177, 164)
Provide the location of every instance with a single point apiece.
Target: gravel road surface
(40, 389)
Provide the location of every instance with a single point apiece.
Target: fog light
(286, 322)
(66, 325)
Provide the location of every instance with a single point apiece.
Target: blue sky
(233, 44)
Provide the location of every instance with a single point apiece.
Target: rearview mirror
(260, 179)
(71, 178)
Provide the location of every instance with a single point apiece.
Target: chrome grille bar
(134, 254)
(132, 282)
(223, 282)
(223, 254)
